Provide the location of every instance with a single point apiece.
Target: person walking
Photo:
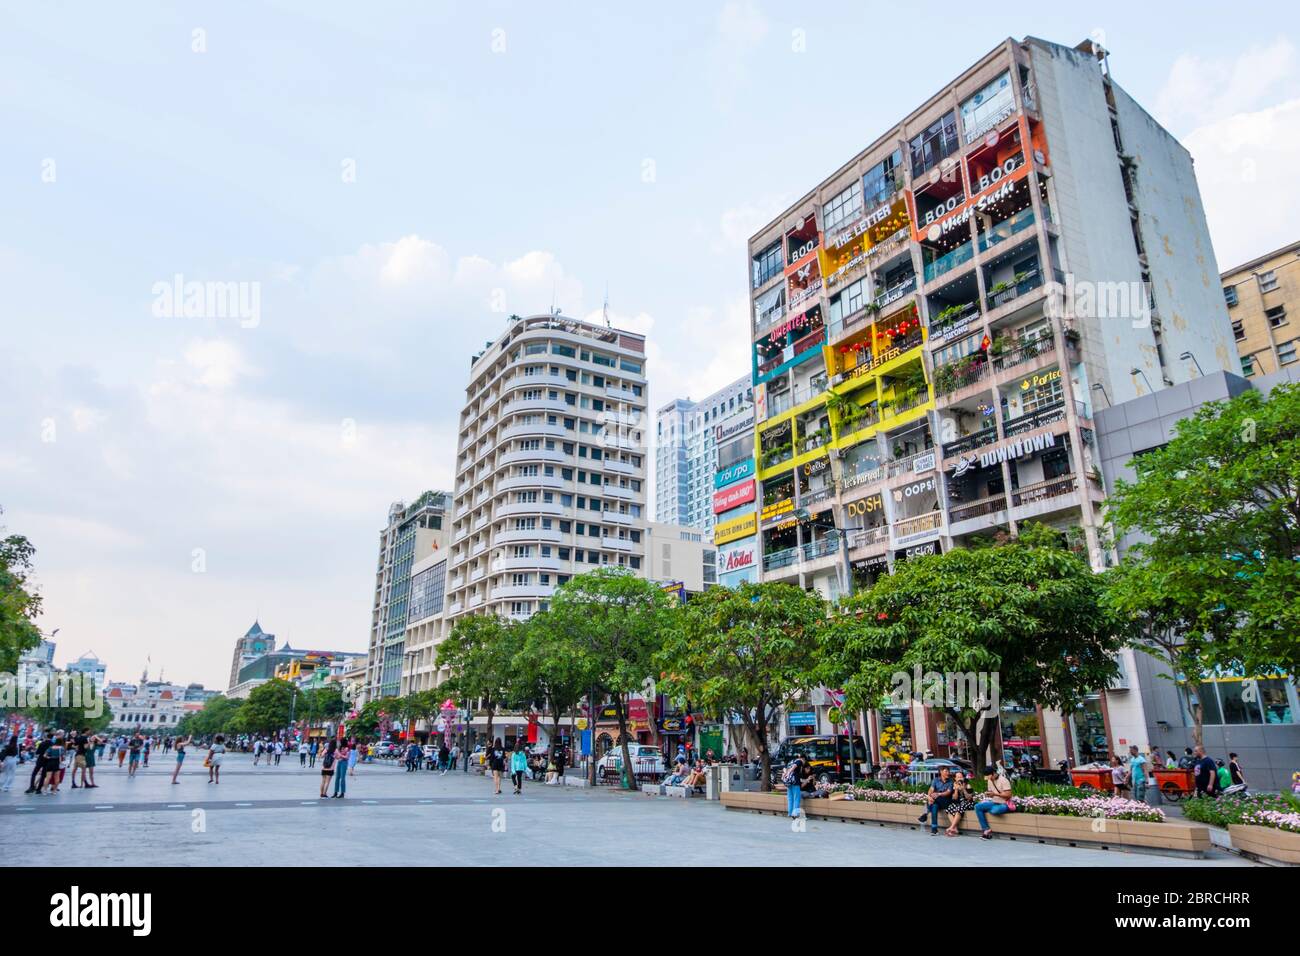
(518, 765)
(80, 744)
(354, 757)
(38, 763)
(444, 757)
(327, 767)
(412, 757)
(9, 764)
(1206, 773)
(279, 751)
(997, 799)
(497, 764)
(180, 758)
(54, 764)
(134, 751)
(148, 745)
(1118, 776)
(455, 755)
(1137, 772)
(341, 756)
(121, 750)
(215, 753)
(795, 775)
(312, 751)
(302, 754)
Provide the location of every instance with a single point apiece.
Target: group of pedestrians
(954, 795)
(338, 762)
(52, 756)
(272, 750)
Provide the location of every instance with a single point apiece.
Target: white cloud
(217, 363)
(1240, 119)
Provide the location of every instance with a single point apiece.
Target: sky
(390, 181)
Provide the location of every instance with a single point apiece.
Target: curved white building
(551, 464)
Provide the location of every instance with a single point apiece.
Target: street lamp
(1188, 355)
(1098, 387)
(1137, 371)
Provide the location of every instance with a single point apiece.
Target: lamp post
(1188, 355)
(1098, 387)
(1137, 371)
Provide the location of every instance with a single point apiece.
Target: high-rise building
(414, 532)
(551, 464)
(1263, 296)
(91, 666)
(249, 648)
(687, 435)
(934, 323)
(426, 623)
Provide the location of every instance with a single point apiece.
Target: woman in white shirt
(214, 759)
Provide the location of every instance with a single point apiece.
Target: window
(1230, 295)
(1248, 365)
(767, 264)
(988, 107)
(1238, 331)
(1267, 281)
(842, 207)
(1276, 316)
(935, 144)
(851, 298)
(1286, 353)
(881, 180)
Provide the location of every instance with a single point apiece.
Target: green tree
(617, 622)
(1217, 515)
(745, 652)
(481, 650)
(216, 717)
(550, 670)
(19, 603)
(370, 717)
(267, 707)
(321, 704)
(1027, 614)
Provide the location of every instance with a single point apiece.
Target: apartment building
(934, 324)
(413, 533)
(1263, 298)
(551, 466)
(680, 555)
(687, 435)
(426, 624)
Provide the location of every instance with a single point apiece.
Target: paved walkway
(273, 815)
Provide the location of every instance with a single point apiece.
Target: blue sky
(504, 157)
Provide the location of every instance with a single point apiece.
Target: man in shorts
(80, 746)
(134, 749)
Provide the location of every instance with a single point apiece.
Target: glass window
(1286, 353)
(843, 207)
(881, 180)
(1267, 281)
(1238, 706)
(935, 144)
(987, 107)
(767, 263)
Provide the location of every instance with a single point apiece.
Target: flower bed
(1276, 819)
(1109, 808)
(1225, 811)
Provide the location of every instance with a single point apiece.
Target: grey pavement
(274, 816)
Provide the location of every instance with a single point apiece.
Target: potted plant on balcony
(1001, 345)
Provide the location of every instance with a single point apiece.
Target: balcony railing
(949, 261)
(926, 522)
(896, 291)
(978, 507)
(814, 498)
(950, 378)
(819, 549)
(780, 559)
(1007, 228)
(939, 329)
(1047, 415)
(1026, 285)
(1052, 488)
(906, 404)
(900, 466)
(985, 436)
(1023, 353)
(864, 537)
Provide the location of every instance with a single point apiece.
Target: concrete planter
(1189, 839)
(1266, 843)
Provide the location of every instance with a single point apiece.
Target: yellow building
(1263, 298)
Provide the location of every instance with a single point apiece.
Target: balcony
(1047, 415)
(978, 508)
(985, 436)
(949, 261)
(958, 375)
(1023, 285)
(780, 559)
(895, 292)
(869, 537)
(1020, 354)
(814, 498)
(819, 549)
(618, 517)
(952, 321)
(618, 544)
(1005, 230)
(912, 464)
(1043, 490)
(617, 491)
(922, 524)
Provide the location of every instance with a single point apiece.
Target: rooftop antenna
(606, 310)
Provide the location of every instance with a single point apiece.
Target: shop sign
(733, 497)
(923, 463)
(865, 506)
(915, 499)
(733, 473)
(738, 558)
(964, 465)
(1017, 449)
(1036, 381)
(815, 468)
(985, 182)
(868, 477)
(803, 718)
(879, 563)
(778, 508)
(735, 529)
(951, 332)
(724, 431)
(917, 551)
(672, 725)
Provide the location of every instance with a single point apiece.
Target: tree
(550, 668)
(744, 652)
(1157, 623)
(617, 621)
(216, 717)
(19, 603)
(480, 650)
(1217, 516)
(322, 704)
(1027, 617)
(370, 717)
(267, 708)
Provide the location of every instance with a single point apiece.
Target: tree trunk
(490, 712)
(629, 775)
(764, 756)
